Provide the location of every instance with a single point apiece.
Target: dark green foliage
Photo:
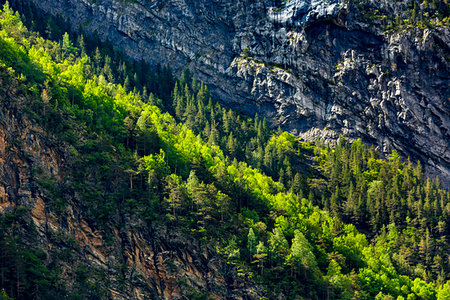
(29, 272)
(373, 192)
(395, 16)
(224, 178)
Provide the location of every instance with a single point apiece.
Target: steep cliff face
(125, 260)
(315, 68)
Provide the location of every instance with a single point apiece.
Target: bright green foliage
(251, 243)
(4, 296)
(226, 179)
(301, 256)
(374, 192)
(411, 14)
(444, 292)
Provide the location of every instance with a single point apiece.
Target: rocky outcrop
(303, 12)
(312, 67)
(136, 260)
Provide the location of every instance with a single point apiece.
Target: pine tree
(184, 79)
(231, 145)
(301, 254)
(265, 130)
(224, 204)
(281, 176)
(66, 45)
(81, 45)
(278, 245)
(226, 123)
(418, 172)
(212, 140)
(46, 97)
(107, 70)
(136, 81)
(256, 122)
(127, 85)
(251, 243)
(194, 84)
(351, 203)
(288, 175)
(97, 61)
(261, 256)
(296, 185)
(335, 202)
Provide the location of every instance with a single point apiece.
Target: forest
(305, 220)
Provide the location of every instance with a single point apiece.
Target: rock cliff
(125, 260)
(316, 68)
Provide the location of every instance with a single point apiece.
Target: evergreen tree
(251, 243)
(66, 44)
(301, 254)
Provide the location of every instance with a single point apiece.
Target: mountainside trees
(351, 225)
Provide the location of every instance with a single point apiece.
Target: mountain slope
(105, 196)
(318, 69)
(74, 255)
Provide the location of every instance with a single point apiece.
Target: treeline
(146, 82)
(372, 192)
(395, 16)
(251, 140)
(128, 157)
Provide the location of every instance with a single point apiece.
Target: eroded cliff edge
(314, 68)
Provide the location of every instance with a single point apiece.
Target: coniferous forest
(304, 220)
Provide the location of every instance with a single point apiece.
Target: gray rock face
(306, 65)
(304, 12)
